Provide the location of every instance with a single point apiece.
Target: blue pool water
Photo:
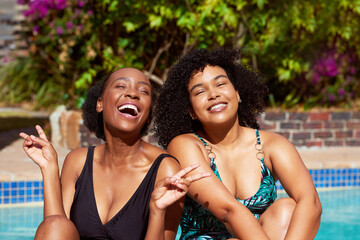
(340, 219)
(341, 215)
(19, 223)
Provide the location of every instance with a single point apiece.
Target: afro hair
(172, 116)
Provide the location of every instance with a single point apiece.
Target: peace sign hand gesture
(39, 149)
(170, 189)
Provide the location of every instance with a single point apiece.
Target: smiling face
(126, 101)
(213, 97)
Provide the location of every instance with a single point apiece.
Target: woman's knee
(283, 210)
(56, 227)
(276, 219)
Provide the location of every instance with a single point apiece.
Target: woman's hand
(39, 149)
(170, 189)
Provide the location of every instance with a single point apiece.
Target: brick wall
(303, 129)
(315, 129)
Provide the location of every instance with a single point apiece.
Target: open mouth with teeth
(217, 107)
(129, 109)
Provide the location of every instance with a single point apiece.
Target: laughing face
(213, 97)
(126, 100)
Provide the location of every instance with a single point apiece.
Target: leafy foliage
(308, 50)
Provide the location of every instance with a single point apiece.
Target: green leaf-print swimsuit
(198, 223)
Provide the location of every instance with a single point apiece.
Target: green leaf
(155, 21)
(113, 6)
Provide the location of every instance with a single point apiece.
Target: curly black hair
(172, 116)
(93, 120)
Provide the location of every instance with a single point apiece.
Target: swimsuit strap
(259, 147)
(211, 154)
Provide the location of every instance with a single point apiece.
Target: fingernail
(32, 137)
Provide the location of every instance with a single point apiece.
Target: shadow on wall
(11, 126)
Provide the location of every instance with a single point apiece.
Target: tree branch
(154, 78)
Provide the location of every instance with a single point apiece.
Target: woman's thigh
(276, 219)
(56, 227)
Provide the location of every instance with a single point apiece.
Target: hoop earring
(240, 101)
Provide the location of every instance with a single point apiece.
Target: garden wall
(315, 129)
(303, 129)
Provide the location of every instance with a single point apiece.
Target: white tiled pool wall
(32, 191)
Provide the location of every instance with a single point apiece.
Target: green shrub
(74, 42)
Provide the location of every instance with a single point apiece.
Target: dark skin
(124, 159)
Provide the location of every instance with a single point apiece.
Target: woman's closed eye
(121, 86)
(199, 92)
(221, 84)
(145, 91)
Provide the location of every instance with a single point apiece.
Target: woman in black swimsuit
(108, 191)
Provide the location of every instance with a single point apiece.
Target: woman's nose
(213, 94)
(132, 93)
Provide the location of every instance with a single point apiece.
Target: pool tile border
(333, 178)
(21, 192)
(32, 191)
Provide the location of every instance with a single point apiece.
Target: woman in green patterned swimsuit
(207, 113)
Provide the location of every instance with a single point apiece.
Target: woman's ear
(238, 96)
(99, 105)
(192, 114)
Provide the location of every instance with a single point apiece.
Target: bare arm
(40, 150)
(297, 182)
(217, 199)
(167, 199)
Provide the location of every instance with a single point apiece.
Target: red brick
(320, 116)
(353, 124)
(275, 116)
(335, 143)
(314, 143)
(333, 124)
(289, 125)
(344, 134)
(341, 115)
(266, 126)
(284, 134)
(299, 143)
(298, 116)
(357, 134)
(356, 115)
(353, 143)
(323, 134)
(301, 135)
(313, 125)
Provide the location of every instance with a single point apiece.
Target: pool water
(340, 219)
(19, 223)
(341, 215)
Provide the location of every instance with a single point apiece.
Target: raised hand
(170, 189)
(39, 149)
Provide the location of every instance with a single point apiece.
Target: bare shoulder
(183, 141)
(273, 140)
(74, 161)
(168, 166)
